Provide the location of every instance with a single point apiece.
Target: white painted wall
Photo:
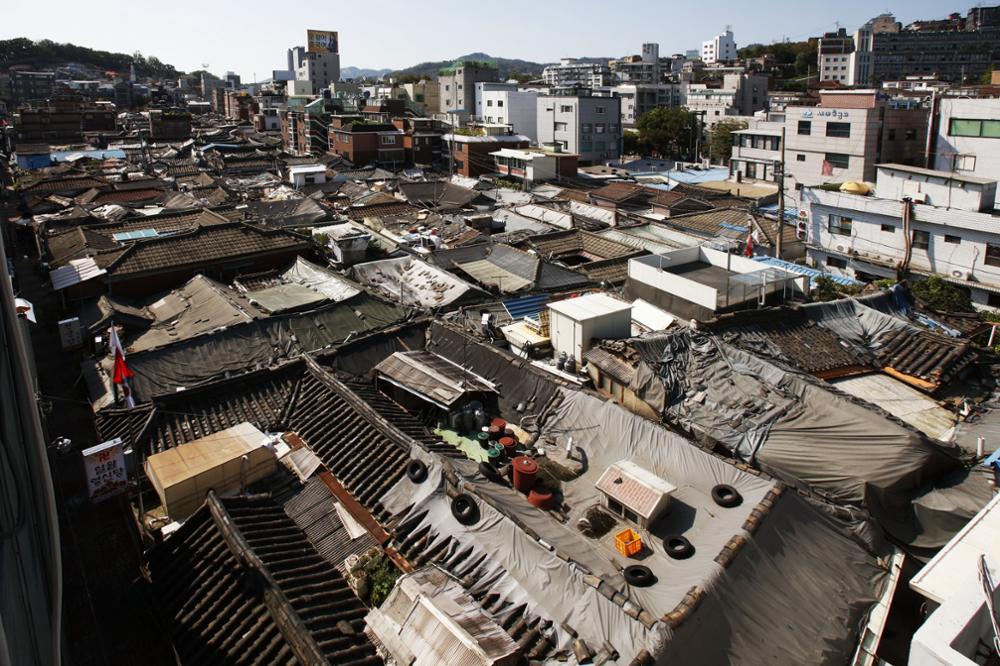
(986, 151)
(647, 271)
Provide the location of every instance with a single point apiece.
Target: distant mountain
(46, 53)
(362, 73)
(506, 66)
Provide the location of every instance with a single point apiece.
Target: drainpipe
(904, 266)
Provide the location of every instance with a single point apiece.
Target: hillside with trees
(46, 54)
(508, 67)
(801, 56)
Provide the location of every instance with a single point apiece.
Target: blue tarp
(790, 213)
(61, 155)
(813, 273)
(526, 306)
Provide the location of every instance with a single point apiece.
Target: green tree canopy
(721, 142)
(942, 296)
(667, 131)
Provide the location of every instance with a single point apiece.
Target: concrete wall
(985, 152)
(568, 119)
(517, 108)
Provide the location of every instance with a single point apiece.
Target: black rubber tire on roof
(678, 547)
(726, 496)
(416, 471)
(490, 471)
(638, 575)
(465, 509)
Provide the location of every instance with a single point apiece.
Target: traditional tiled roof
(576, 242)
(926, 359)
(204, 246)
(618, 192)
(612, 271)
(379, 209)
(77, 243)
(125, 196)
(239, 583)
(786, 334)
(65, 184)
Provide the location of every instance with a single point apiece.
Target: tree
(667, 131)
(632, 144)
(721, 142)
(942, 296)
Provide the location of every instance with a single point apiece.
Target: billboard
(322, 41)
(105, 467)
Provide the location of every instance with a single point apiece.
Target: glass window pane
(991, 128)
(961, 127)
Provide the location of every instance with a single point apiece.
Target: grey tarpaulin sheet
(522, 571)
(257, 344)
(789, 424)
(360, 357)
(607, 433)
(797, 593)
(855, 321)
(519, 382)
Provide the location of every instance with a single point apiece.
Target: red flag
(121, 370)
(748, 251)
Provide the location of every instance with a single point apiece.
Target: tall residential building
(740, 95)
(296, 55)
(585, 124)
(482, 87)
(636, 100)
(835, 52)
(968, 137)
(510, 106)
(843, 139)
(457, 86)
(721, 48)
(31, 86)
(645, 69)
(570, 72)
(320, 64)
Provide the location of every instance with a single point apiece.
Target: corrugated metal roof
(78, 270)
(812, 273)
(431, 376)
(526, 306)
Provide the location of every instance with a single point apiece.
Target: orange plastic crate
(628, 542)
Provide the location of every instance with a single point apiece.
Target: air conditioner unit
(957, 274)
(844, 249)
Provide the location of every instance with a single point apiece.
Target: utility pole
(781, 198)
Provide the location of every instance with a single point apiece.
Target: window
(599, 109)
(838, 161)
(838, 130)
(586, 128)
(561, 127)
(586, 146)
(992, 255)
(989, 129)
(800, 157)
(911, 135)
(600, 146)
(954, 240)
(921, 240)
(889, 228)
(500, 102)
(566, 108)
(838, 224)
(892, 135)
(612, 127)
(599, 128)
(447, 87)
(835, 262)
(489, 102)
(615, 507)
(805, 127)
(965, 162)
(993, 300)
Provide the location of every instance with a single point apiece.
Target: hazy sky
(252, 36)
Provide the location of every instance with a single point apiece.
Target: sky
(251, 37)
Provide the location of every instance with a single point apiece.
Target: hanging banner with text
(105, 467)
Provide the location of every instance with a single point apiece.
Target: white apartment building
(740, 95)
(721, 48)
(638, 99)
(515, 108)
(587, 125)
(319, 68)
(571, 72)
(756, 153)
(850, 132)
(968, 137)
(947, 218)
(482, 87)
